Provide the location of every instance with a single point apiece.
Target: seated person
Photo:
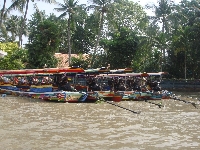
(122, 87)
(65, 86)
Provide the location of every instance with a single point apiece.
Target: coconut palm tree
(69, 9)
(3, 34)
(102, 7)
(2, 12)
(20, 5)
(162, 14)
(12, 26)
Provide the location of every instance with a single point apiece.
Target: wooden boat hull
(108, 96)
(92, 97)
(65, 96)
(156, 97)
(58, 96)
(135, 96)
(166, 95)
(117, 98)
(131, 95)
(8, 89)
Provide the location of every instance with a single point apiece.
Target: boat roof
(44, 71)
(133, 74)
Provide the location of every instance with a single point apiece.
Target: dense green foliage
(15, 59)
(118, 33)
(121, 48)
(43, 42)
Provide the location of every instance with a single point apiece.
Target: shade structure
(134, 74)
(158, 73)
(45, 70)
(72, 70)
(112, 75)
(16, 72)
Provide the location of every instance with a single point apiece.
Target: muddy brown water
(30, 124)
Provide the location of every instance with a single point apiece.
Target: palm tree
(126, 13)
(69, 9)
(12, 25)
(2, 12)
(3, 34)
(101, 6)
(162, 13)
(20, 5)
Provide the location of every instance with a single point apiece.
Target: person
(122, 87)
(66, 86)
(23, 80)
(96, 87)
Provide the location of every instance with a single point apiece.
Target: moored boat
(109, 95)
(117, 86)
(65, 96)
(136, 95)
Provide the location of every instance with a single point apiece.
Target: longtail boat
(49, 90)
(40, 90)
(146, 92)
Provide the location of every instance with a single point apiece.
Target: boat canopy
(133, 74)
(111, 75)
(45, 70)
(158, 74)
(99, 72)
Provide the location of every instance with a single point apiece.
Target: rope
(101, 99)
(158, 104)
(135, 112)
(187, 102)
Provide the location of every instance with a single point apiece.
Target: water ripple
(28, 124)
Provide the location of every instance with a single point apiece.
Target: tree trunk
(69, 39)
(23, 24)
(12, 35)
(2, 12)
(185, 67)
(163, 48)
(163, 29)
(98, 37)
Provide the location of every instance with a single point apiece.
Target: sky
(49, 8)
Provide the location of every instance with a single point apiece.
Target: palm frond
(39, 12)
(3, 32)
(50, 1)
(72, 3)
(16, 5)
(61, 9)
(63, 15)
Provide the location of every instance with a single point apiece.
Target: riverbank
(181, 85)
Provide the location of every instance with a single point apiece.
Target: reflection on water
(34, 124)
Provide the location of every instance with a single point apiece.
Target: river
(30, 124)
